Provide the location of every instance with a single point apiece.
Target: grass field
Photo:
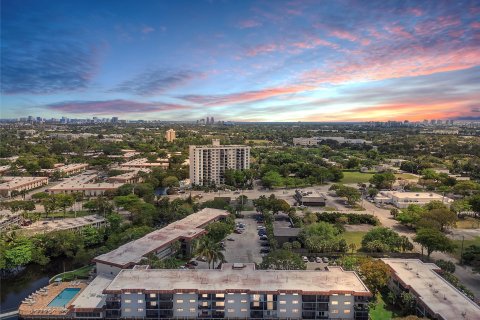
(406, 176)
(354, 237)
(355, 177)
(379, 312)
(466, 244)
(468, 223)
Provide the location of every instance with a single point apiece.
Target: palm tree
(210, 250)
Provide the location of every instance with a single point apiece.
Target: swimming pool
(64, 297)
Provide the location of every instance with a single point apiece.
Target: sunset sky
(321, 60)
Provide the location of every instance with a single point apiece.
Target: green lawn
(81, 273)
(355, 177)
(466, 244)
(354, 237)
(379, 312)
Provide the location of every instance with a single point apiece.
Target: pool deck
(40, 309)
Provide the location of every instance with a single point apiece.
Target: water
(14, 289)
(64, 297)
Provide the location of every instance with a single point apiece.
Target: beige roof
(11, 183)
(92, 297)
(244, 279)
(189, 227)
(435, 292)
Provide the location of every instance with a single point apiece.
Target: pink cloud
(345, 35)
(147, 29)
(247, 96)
(417, 12)
(399, 31)
(263, 48)
(475, 25)
(246, 24)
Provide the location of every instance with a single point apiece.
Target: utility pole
(461, 251)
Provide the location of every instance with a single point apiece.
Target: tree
(380, 239)
(64, 201)
(375, 274)
(383, 180)
(320, 237)
(447, 266)
(287, 246)
(471, 257)
(272, 179)
(352, 246)
(410, 215)
(170, 181)
(440, 218)
(352, 194)
(283, 260)
(217, 231)
(210, 250)
(49, 205)
(461, 205)
(433, 240)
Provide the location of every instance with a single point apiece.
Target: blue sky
(241, 60)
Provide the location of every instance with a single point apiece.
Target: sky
(320, 60)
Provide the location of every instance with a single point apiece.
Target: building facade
(208, 163)
(11, 185)
(170, 135)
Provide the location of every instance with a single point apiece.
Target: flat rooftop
(187, 228)
(9, 183)
(440, 296)
(91, 297)
(239, 279)
(141, 162)
(84, 182)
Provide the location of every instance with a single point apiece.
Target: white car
(260, 227)
(305, 259)
(318, 260)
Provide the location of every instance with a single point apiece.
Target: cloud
(263, 48)
(242, 97)
(147, 29)
(112, 107)
(157, 81)
(43, 58)
(247, 24)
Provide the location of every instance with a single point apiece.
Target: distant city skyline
(289, 61)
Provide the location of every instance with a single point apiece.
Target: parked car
(265, 244)
(264, 250)
(201, 259)
(325, 259)
(311, 259)
(193, 263)
(305, 259)
(262, 232)
(230, 239)
(260, 227)
(318, 260)
(238, 231)
(264, 237)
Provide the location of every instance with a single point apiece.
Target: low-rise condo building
(159, 242)
(10, 185)
(143, 163)
(85, 184)
(315, 141)
(435, 297)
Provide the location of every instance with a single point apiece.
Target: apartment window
(180, 301)
(140, 309)
(347, 303)
(231, 310)
(243, 301)
(231, 301)
(334, 311)
(192, 310)
(295, 294)
(204, 304)
(243, 310)
(128, 301)
(139, 293)
(140, 301)
(220, 295)
(179, 309)
(346, 311)
(127, 292)
(334, 303)
(295, 302)
(204, 295)
(283, 310)
(220, 304)
(153, 295)
(256, 297)
(128, 310)
(294, 310)
(153, 303)
(193, 300)
(282, 302)
(347, 294)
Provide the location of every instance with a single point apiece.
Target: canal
(16, 288)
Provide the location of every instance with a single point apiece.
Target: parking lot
(245, 247)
